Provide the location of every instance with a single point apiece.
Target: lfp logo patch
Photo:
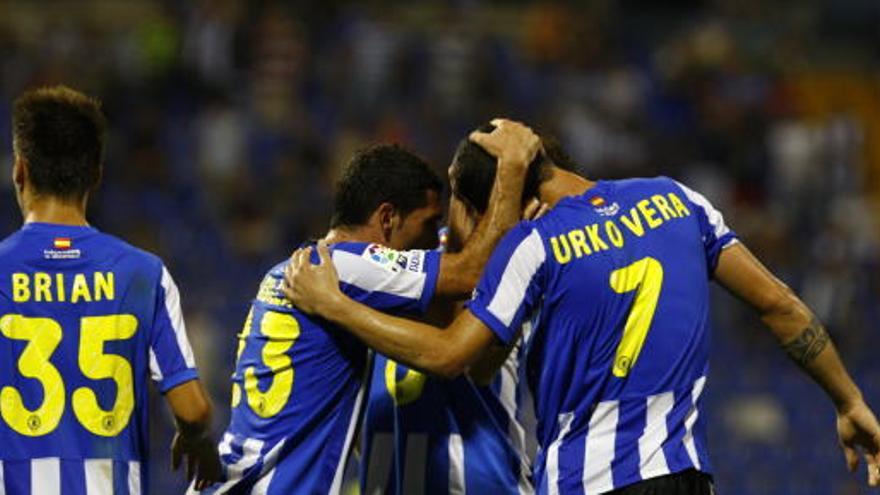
(384, 256)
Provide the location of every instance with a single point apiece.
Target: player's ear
(19, 172)
(388, 219)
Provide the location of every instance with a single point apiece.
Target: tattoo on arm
(806, 346)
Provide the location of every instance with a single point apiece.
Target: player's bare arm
(807, 342)
(515, 146)
(192, 412)
(314, 289)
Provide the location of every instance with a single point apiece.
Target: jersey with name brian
(84, 319)
(617, 281)
(299, 383)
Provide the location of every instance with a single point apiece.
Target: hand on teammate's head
(535, 209)
(511, 142)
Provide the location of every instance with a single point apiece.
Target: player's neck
(54, 210)
(563, 184)
(360, 233)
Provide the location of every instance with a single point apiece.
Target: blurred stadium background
(230, 121)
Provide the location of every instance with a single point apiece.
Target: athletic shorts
(689, 482)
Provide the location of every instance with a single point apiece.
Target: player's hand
(535, 209)
(202, 461)
(512, 143)
(858, 430)
(312, 288)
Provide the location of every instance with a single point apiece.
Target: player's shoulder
(356, 260)
(371, 261)
(112, 246)
(530, 235)
(643, 184)
(356, 249)
(9, 244)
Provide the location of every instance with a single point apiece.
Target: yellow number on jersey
(95, 330)
(646, 278)
(406, 390)
(43, 336)
(281, 331)
(242, 342)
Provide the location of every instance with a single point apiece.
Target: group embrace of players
(576, 364)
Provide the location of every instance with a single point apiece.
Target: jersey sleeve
(171, 356)
(386, 279)
(716, 235)
(511, 283)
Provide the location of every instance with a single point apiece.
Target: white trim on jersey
(456, 465)
(99, 476)
(652, 460)
(262, 487)
(2, 480)
(527, 416)
(528, 256)
(370, 276)
(336, 487)
(46, 476)
(134, 478)
(225, 445)
(564, 421)
(155, 370)
(509, 382)
(270, 462)
(691, 418)
(250, 448)
(716, 219)
(172, 305)
(599, 448)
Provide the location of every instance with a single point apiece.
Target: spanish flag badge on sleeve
(62, 243)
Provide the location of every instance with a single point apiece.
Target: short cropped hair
(60, 134)
(473, 170)
(379, 174)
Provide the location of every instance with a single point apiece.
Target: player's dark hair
(59, 133)
(379, 174)
(473, 170)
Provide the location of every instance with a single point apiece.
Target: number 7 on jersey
(645, 276)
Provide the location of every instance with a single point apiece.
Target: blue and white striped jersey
(424, 435)
(616, 281)
(299, 383)
(85, 318)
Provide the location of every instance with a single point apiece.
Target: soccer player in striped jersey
(84, 320)
(299, 382)
(615, 281)
(474, 434)
(423, 434)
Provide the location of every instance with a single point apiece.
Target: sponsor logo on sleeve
(416, 262)
(383, 256)
(393, 260)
